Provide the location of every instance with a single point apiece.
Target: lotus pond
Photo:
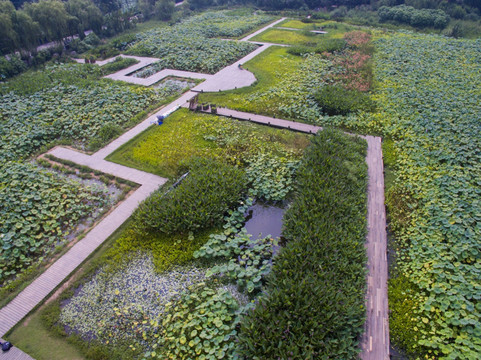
(195, 44)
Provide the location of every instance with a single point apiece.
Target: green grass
(289, 37)
(269, 68)
(163, 149)
(33, 338)
(334, 30)
(297, 24)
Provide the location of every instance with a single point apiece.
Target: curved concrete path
(229, 78)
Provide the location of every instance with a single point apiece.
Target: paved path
(114, 145)
(250, 36)
(126, 74)
(14, 354)
(231, 77)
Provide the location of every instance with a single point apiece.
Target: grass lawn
(32, 337)
(334, 30)
(297, 24)
(163, 149)
(270, 67)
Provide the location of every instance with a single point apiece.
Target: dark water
(265, 220)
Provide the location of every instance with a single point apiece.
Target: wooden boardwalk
(266, 120)
(375, 342)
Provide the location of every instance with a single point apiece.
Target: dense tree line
(25, 25)
(47, 20)
(435, 18)
(460, 7)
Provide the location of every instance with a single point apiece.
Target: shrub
(199, 202)
(331, 45)
(119, 64)
(109, 131)
(12, 67)
(91, 39)
(418, 18)
(321, 16)
(122, 42)
(336, 100)
(300, 50)
(324, 260)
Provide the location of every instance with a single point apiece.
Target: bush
(12, 67)
(119, 64)
(199, 202)
(331, 45)
(91, 39)
(122, 42)
(104, 51)
(300, 50)
(321, 16)
(324, 260)
(418, 18)
(336, 100)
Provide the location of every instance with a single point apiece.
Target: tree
(164, 9)
(146, 7)
(28, 31)
(89, 15)
(8, 36)
(52, 17)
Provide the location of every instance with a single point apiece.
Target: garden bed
(163, 149)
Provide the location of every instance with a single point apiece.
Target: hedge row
(199, 202)
(313, 307)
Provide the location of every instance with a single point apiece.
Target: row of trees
(47, 20)
(435, 18)
(35, 23)
(456, 8)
